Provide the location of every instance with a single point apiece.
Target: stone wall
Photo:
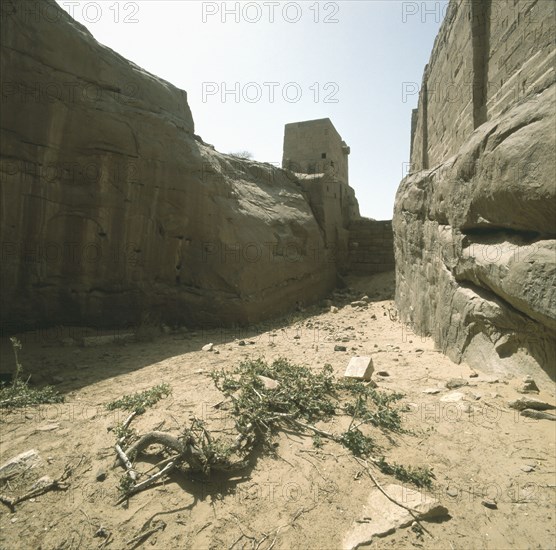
(371, 246)
(112, 208)
(487, 56)
(474, 224)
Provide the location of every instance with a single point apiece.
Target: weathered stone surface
(530, 403)
(360, 368)
(538, 415)
(19, 463)
(112, 206)
(380, 516)
(474, 224)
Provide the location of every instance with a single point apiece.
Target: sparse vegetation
(244, 155)
(19, 394)
(266, 398)
(138, 402)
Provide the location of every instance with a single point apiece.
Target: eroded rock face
(112, 206)
(475, 233)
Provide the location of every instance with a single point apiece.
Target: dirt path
(302, 497)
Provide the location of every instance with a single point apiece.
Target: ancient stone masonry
(474, 222)
(317, 155)
(113, 207)
(371, 246)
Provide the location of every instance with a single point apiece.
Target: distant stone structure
(315, 147)
(316, 152)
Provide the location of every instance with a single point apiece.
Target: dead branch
(147, 483)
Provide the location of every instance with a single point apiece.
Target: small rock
(454, 383)
(208, 347)
(488, 503)
(527, 468)
(474, 375)
(333, 309)
(467, 408)
(48, 427)
(269, 383)
(538, 415)
(452, 397)
(340, 348)
(530, 403)
(431, 391)
(359, 303)
(360, 368)
(19, 463)
(452, 492)
(241, 343)
(419, 350)
(100, 475)
(365, 299)
(373, 316)
(528, 386)
(383, 373)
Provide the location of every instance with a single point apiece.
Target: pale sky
(280, 62)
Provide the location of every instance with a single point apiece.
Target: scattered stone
(454, 383)
(527, 468)
(48, 427)
(489, 503)
(528, 386)
(373, 316)
(476, 396)
(474, 375)
(491, 380)
(340, 348)
(360, 368)
(241, 343)
(431, 391)
(101, 474)
(494, 395)
(92, 341)
(19, 463)
(380, 516)
(208, 347)
(452, 397)
(333, 309)
(419, 350)
(383, 373)
(365, 299)
(452, 492)
(252, 343)
(530, 403)
(359, 303)
(538, 415)
(268, 383)
(467, 408)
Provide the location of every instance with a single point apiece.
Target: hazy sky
(251, 67)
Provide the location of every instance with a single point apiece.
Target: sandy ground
(302, 497)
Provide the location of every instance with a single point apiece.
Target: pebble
(452, 397)
(333, 309)
(488, 503)
(340, 348)
(452, 492)
(431, 391)
(527, 468)
(241, 343)
(100, 475)
(383, 373)
(454, 383)
(208, 347)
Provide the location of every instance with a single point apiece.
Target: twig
(148, 533)
(144, 484)
(128, 466)
(56, 484)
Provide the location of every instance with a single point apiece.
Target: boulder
(113, 206)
